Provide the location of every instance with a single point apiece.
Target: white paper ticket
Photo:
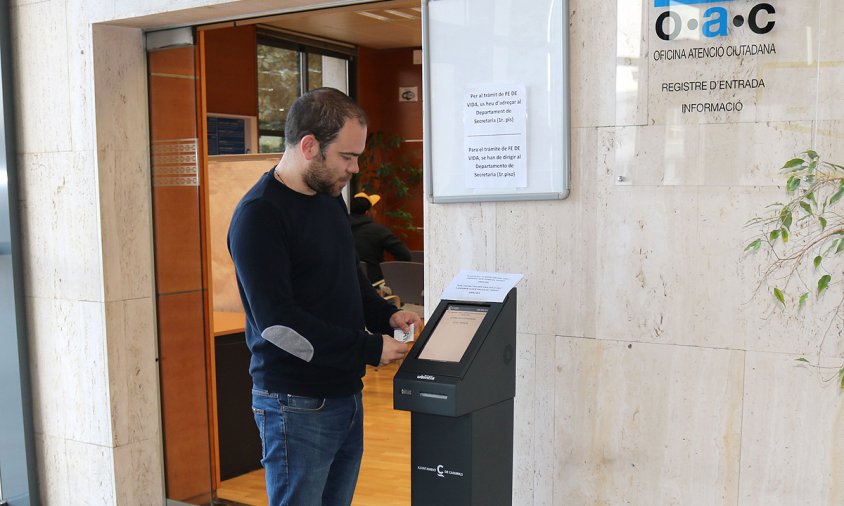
(404, 337)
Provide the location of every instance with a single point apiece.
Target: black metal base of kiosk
(465, 460)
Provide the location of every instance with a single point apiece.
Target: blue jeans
(312, 447)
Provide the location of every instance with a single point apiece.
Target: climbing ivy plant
(805, 237)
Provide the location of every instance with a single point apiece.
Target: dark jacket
(371, 240)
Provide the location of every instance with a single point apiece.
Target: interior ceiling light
(400, 14)
(373, 15)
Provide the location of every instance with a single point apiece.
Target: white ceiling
(380, 25)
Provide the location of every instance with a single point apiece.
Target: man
(307, 306)
(372, 239)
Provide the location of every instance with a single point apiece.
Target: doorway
(210, 440)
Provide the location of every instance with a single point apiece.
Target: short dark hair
(359, 205)
(321, 112)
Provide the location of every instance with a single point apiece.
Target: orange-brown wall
(380, 74)
(178, 273)
(231, 70)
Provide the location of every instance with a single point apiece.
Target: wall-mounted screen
(453, 333)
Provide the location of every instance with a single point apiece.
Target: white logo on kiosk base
(441, 471)
(425, 377)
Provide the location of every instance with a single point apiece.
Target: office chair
(381, 288)
(405, 279)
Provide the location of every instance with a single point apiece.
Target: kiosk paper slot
(433, 396)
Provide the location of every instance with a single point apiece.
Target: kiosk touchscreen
(458, 382)
(453, 333)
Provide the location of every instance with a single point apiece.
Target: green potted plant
(804, 239)
(389, 169)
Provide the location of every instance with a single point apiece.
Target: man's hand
(392, 350)
(402, 319)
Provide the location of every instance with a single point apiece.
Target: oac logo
(692, 19)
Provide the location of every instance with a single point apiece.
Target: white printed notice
(480, 286)
(495, 124)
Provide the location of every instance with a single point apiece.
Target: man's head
(329, 130)
(322, 113)
(359, 205)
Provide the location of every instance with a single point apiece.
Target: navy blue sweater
(307, 302)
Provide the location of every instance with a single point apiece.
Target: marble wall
(649, 371)
(85, 201)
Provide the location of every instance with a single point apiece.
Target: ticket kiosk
(458, 382)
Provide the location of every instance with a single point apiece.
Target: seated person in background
(372, 239)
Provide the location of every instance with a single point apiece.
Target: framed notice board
(497, 100)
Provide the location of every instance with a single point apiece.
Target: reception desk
(238, 440)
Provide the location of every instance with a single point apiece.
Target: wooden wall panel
(380, 74)
(178, 262)
(173, 62)
(180, 282)
(231, 70)
(183, 397)
(172, 109)
(370, 87)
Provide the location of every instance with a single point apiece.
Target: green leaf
(802, 359)
(823, 283)
(784, 234)
(754, 245)
(806, 207)
(822, 221)
(792, 184)
(812, 154)
(840, 247)
(817, 261)
(786, 222)
(841, 378)
(803, 299)
(794, 162)
(774, 235)
(780, 297)
(811, 197)
(835, 198)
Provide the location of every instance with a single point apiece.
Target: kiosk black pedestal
(458, 382)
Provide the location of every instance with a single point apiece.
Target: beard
(319, 179)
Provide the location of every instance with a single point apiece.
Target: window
(286, 66)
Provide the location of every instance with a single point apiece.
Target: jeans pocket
(260, 421)
(303, 404)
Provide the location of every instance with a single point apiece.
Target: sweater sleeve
(396, 247)
(259, 250)
(377, 310)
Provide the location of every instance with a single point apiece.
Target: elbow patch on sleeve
(290, 341)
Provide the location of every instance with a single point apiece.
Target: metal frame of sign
(467, 63)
